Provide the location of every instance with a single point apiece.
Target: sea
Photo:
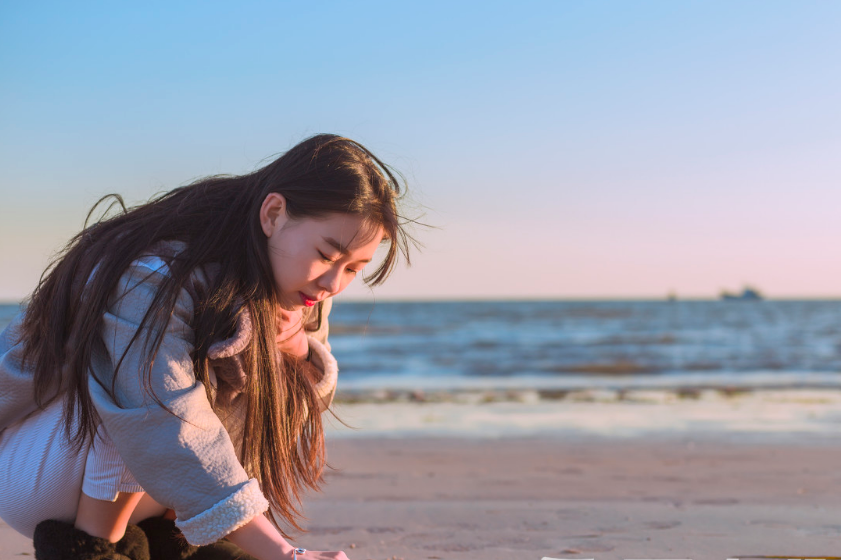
(564, 345)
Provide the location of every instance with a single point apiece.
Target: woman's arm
(181, 455)
(260, 538)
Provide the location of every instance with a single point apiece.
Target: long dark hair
(217, 218)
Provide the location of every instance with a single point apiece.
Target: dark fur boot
(58, 540)
(134, 544)
(166, 542)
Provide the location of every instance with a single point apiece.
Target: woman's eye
(327, 259)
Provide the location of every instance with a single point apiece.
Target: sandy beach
(606, 498)
(742, 475)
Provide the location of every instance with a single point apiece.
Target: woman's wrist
(261, 539)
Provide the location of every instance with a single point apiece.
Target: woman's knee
(147, 508)
(104, 519)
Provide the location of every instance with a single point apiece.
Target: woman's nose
(330, 281)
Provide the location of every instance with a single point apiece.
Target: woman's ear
(273, 213)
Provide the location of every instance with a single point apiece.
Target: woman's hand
(291, 337)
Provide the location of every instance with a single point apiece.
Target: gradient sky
(562, 149)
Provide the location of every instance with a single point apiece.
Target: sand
(604, 498)
(644, 478)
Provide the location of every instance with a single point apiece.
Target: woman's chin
(291, 305)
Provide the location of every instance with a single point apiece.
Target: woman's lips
(307, 300)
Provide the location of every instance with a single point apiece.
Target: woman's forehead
(348, 232)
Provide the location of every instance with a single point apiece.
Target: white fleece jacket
(186, 460)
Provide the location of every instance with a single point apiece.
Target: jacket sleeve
(183, 457)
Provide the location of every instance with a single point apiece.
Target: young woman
(171, 362)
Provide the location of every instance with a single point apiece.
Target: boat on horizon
(748, 294)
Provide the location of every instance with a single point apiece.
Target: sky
(558, 149)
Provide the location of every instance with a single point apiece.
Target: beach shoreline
(796, 414)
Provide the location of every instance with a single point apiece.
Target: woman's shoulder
(139, 287)
(155, 264)
(159, 257)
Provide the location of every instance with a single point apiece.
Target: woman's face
(314, 258)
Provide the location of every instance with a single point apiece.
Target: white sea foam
(791, 413)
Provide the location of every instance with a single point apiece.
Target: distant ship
(748, 294)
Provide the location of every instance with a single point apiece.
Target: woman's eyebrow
(341, 248)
